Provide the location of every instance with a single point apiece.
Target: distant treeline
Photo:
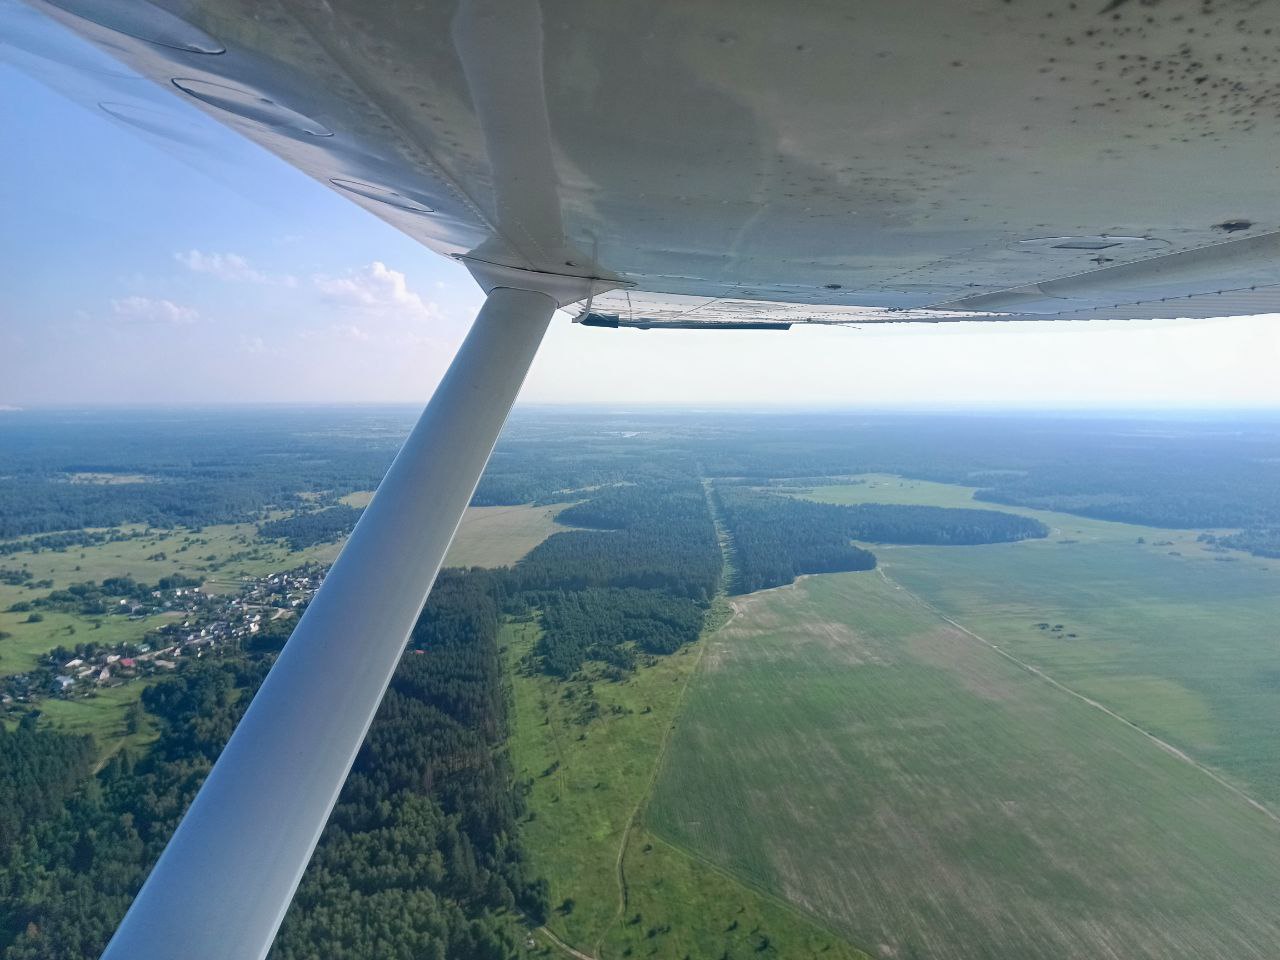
(422, 853)
(304, 530)
(1211, 472)
(778, 538)
(1260, 542)
(200, 467)
(93, 599)
(206, 467)
(65, 541)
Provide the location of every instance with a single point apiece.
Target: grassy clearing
(491, 536)
(499, 536)
(104, 715)
(846, 749)
(29, 641)
(1065, 528)
(589, 780)
(1181, 639)
(223, 552)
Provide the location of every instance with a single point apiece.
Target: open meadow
(847, 749)
(616, 889)
(1179, 637)
(499, 536)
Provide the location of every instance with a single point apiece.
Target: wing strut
(221, 887)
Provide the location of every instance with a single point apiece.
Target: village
(199, 623)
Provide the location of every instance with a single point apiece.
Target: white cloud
(147, 310)
(378, 292)
(336, 331)
(350, 331)
(229, 266)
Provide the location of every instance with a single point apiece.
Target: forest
(71, 470)
(653, 535)
(310, 527)
(776, 540)
(610, 624)
(637, 581)
(1260, 541)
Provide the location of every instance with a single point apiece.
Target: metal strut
(224, 882)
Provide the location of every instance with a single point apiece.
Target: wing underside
(759, 163)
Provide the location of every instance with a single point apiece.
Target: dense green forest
(610, 624)
(776, 540)
(39, 769)
(657, 535)
(69, 470)
(81, 862)
(638, 582)
(308, 528)
(421, 857)
(1261, 541)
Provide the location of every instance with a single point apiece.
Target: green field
(1064, 528)
(846, 749)
(1179, 638)
(589, 781)
(492, 536)
(499, 536)
(103, 715)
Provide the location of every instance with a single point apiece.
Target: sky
(135, 275)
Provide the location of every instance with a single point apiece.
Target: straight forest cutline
(1035, 671)
(638, 820)
(643, 800)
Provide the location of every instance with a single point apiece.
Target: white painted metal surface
(224, 882)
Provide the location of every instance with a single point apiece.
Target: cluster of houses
(101, 668)
(209, 623)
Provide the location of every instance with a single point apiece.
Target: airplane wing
(919, 159)
(747, 164)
